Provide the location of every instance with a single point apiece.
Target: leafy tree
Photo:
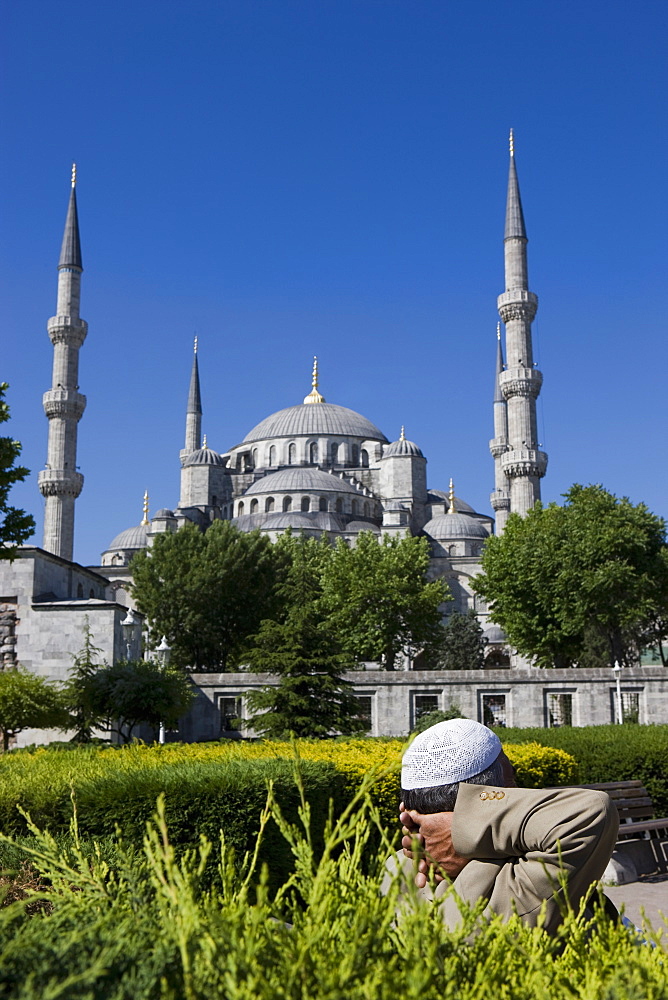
(311, 698)
(15, 525)
(580, 583)
(129, 693)
(429, 719)
(379, 601)
(77, 692)
(463, 643)
(206, 592)
(28, 701)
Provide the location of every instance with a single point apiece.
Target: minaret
(60, 483)
(193, 411)
(520, 383)
(500, 498)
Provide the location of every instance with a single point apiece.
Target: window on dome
(287, 503)
(292, 454)
(313, 453)
(306, 504)
(269, 504)
(253, 506)
(366, 509)
(353, 507)
(355, 455)
(322, 505)
(272, 455)
(339, 506)
(365, 458)
(334, 451)
(240, 508)
(80, 591)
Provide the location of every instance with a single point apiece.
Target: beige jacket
(519, 840)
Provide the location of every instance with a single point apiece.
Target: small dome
(454, 526)
(163, 512)
(306, 480)
(318, 418)
(494, 634)
(362, 526)
(131, 538)
(204, 456)
(402, 447)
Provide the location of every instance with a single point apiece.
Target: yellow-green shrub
(537, 766)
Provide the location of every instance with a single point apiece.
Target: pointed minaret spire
(145, 519)
(452, 509)
(521, 461)
(314, 396)
(60, 483)
(193, 409)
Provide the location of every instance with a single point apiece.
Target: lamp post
(617, 670)
(163, 651)
(129, 624)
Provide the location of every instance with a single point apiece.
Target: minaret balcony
(517, 304)
(60, 483)
(498, 446)
(64, 403)
(67, 330)
(524, 462)
(520, 382)
(499, 500)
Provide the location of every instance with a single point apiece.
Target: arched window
(355, 455)
(287, 503)
(254, 506)
(80, 591)
(269, 505)
(214, 500)
(339, 505)
(254, 457)
(306, 503)
(272, 455)
(91, 592)
(366, 509)
(353, 507)
(313, 453)
(334, 453)
(365, 458)
(292, 454)
(322, 504)
(240, 508)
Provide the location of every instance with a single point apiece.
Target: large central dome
(323, 418)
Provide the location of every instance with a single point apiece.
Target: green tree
(579, 583)
(129, 693)
(77, 691)
(379, 601)
(206, 592)
(311, 697)
(28, 701)
(463, 643)
(15, 525)
(429, 719)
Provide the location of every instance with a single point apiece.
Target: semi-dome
(362, 526)
(322, 418)
(454, 526)
(204, 456)
(131, 538)
(301, 481)
(163, 512)
(440, 496)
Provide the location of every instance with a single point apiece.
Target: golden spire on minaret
(195, 344)
(511, 141)
(451, 499)
(74, 175)
(314, 396)
(498, 331)
(145, 517)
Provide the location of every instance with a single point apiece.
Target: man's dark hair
(442, 798)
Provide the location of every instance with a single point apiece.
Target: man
(510, 846)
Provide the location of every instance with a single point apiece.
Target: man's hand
(433, 832)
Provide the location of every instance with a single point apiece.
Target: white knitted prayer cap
(448, 752)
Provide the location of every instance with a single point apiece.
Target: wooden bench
(636, 816)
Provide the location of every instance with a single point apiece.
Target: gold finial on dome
(451, 499)
(511, 142)
(204, 444)
(314, 396)
(74, 175)
(402, 436)
(145, 517)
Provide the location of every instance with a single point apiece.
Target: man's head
(445, 754)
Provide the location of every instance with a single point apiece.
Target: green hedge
(201, 799)
(610, 753)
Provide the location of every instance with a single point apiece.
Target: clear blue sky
(328, 177)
